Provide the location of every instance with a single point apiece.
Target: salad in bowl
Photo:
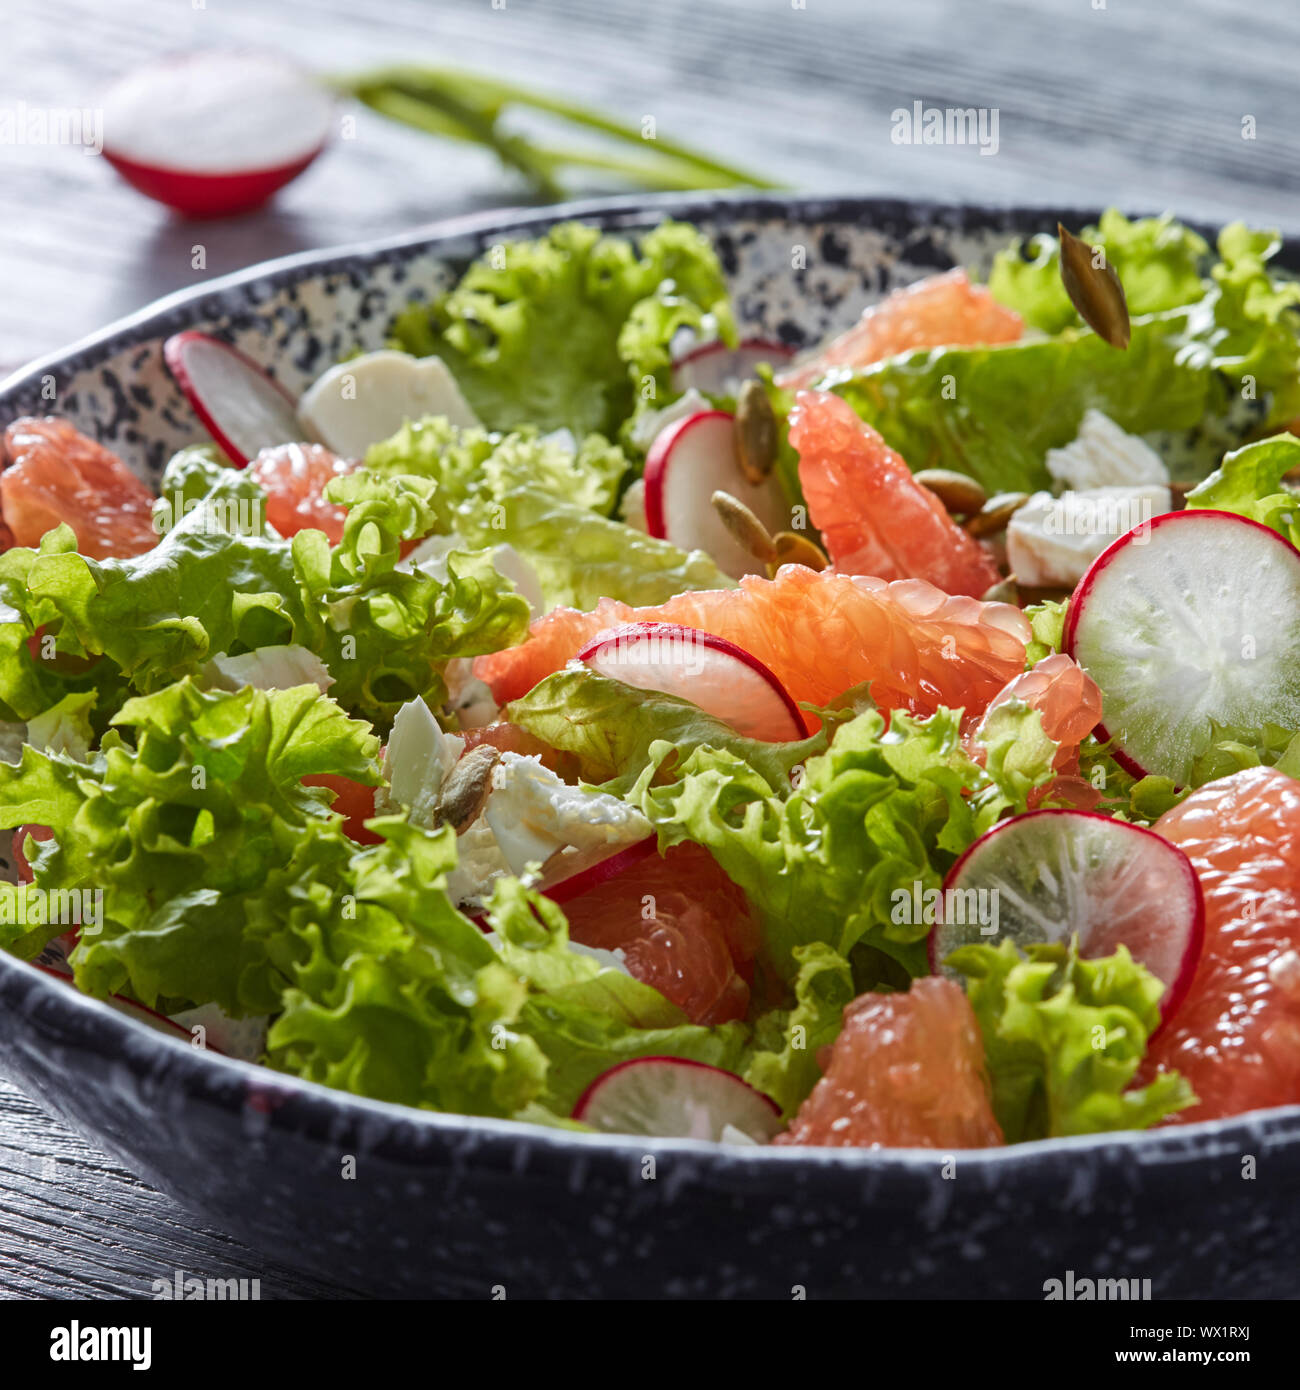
(576, 713)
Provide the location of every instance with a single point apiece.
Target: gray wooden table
(1142, 103)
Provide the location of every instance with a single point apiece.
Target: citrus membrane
(1236, 1037)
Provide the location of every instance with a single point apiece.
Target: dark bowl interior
(440, 1204)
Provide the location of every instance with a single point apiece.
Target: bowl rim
(315, 1110)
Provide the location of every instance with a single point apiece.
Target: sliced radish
(239, 405)
(160, 1023)
(215, 133)
(720, 677)
(583, 873)
(688, 462)
(1190, 618)
(1048, 875)
(718, 370)
(672, 1098)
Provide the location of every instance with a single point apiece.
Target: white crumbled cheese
(244, 1038)
(431, 555)
(357, 403)
(419, 755)
(563, 438)
(509, 562)
(268, 668)
(1103, 455)
(533, 816)
(690, 402)
(1051, 541)
(479, 863)
(631, 509)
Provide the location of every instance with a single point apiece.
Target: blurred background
(1136, 102)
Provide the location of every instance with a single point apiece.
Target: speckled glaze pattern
(445, 1205)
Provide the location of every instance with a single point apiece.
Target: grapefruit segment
(682, 925)
(907, 1071)
(939, 311)
(820, 634)
(294, 477)
(55, 474)
(1236, 1037)
(875, 518)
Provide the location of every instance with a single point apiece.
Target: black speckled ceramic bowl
(440, 1204)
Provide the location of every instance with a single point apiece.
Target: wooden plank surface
(1135, 102)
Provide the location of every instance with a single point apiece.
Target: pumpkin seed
(793, 549)
(1004, 591)
(960, 495)
(756, 432)
(466, 788)
(995, 513)
(747, 529)
(1094, 288)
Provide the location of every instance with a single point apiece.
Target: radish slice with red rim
(581, 875)
(1184, 621)
(151, 1018)
(720, 677)
(1051, 874)
(718, 370)
(673, 1098)
(688, 462)
(215, 133)
(240, 406)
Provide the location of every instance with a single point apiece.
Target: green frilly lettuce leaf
(1064, 1036)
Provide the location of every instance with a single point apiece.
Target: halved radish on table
(215, 133)
(720, 677)
(688, 462)
(1191, 618)
(241, 407)
(672, 1098)
(1050, 875)
(718, 370)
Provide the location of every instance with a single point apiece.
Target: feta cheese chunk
(418, 757)
(432, 553)
(357, 403)
(690, 402)
(1051, 541)
(533, 816)
(631, 510)
(1103, 455)
(268, 668)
